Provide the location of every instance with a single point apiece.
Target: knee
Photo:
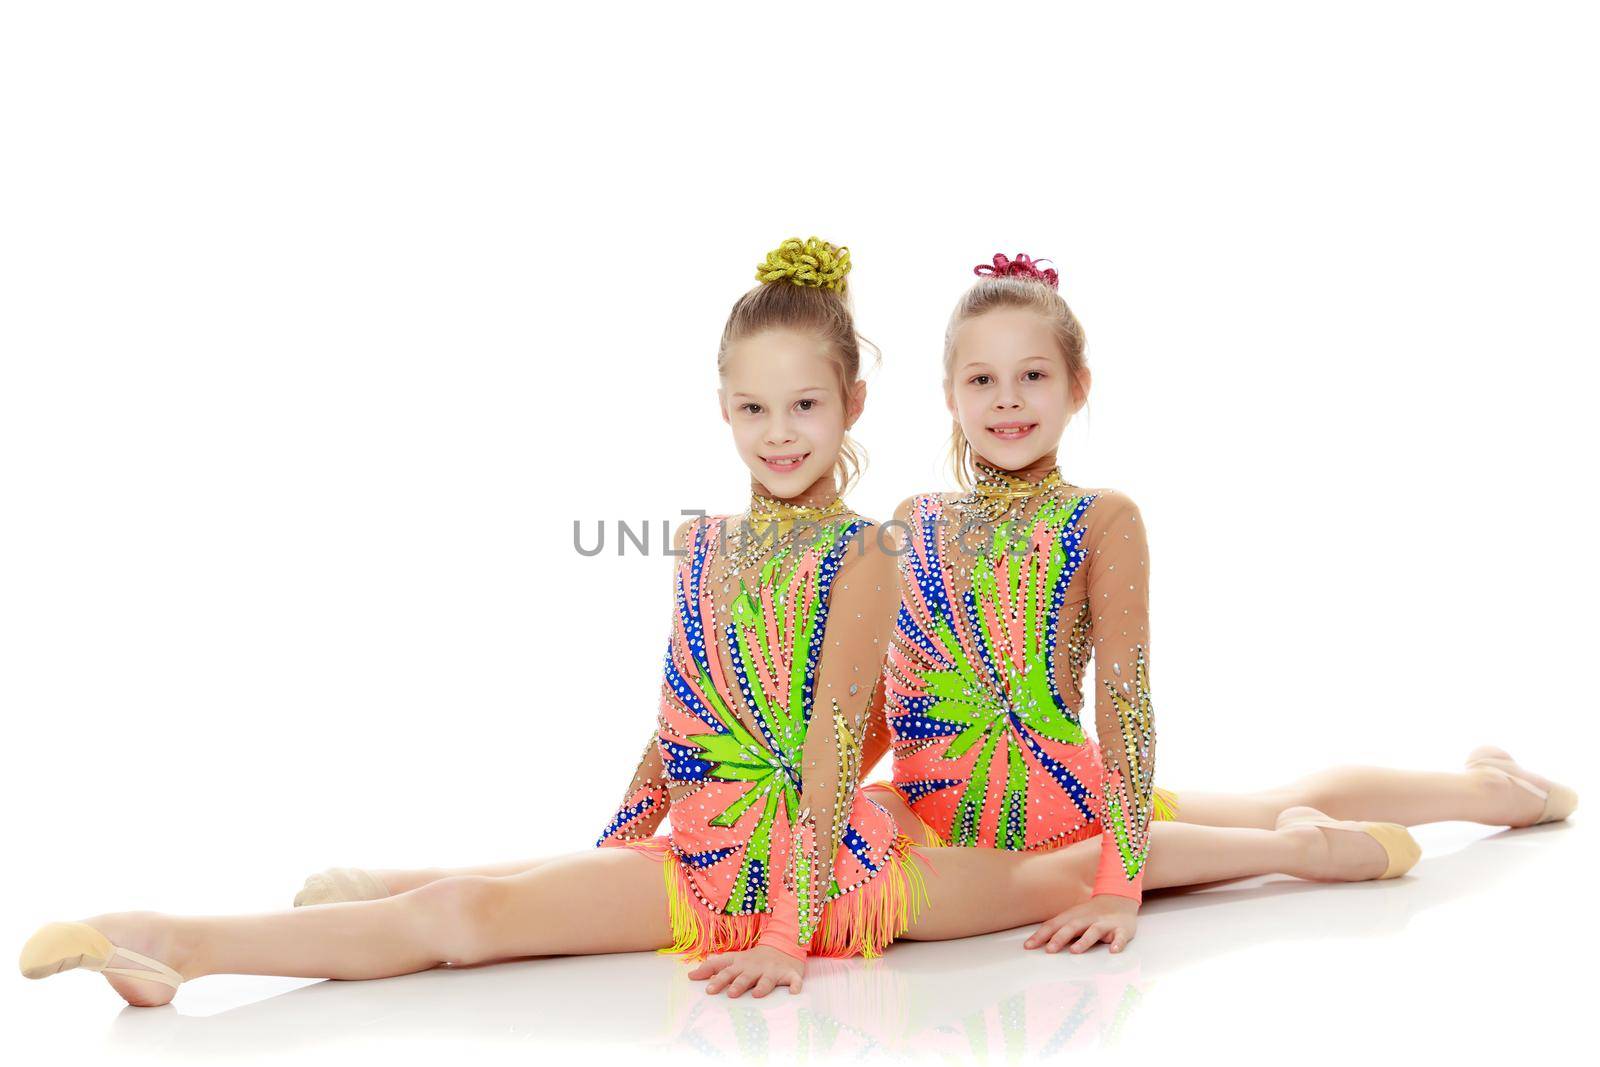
(1319, 787)
(1080, 863)
(458, 917)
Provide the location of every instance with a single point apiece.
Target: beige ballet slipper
(338, 884)
(1398, 844)
(57, 947)
(1559, 800)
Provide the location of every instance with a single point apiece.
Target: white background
(322, 323)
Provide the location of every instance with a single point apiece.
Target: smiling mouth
(785, 463)
(1013, 431)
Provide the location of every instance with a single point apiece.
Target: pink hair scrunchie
(1021, 267)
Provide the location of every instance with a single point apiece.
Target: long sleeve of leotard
(1119, 600)
(863, 600)
(646, 800)
(644, 804)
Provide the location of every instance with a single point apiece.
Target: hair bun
(813, 262)
(1021, 267)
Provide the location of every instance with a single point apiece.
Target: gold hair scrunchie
(812, 262)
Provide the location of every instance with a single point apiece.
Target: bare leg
(403, 881)
(339, 884)
(976, 890)
(608, 900)
(1381, 794)
(980, 890)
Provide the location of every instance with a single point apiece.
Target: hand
(764, 968)
(1103, 918)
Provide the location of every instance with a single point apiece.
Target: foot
(1515, 804)
(151, 934)
(342, 883)
(1342, 852)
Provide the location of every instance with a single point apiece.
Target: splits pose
(805, 642)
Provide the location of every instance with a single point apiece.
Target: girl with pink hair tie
(1013, 585)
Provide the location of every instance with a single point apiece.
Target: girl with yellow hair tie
(775, 643)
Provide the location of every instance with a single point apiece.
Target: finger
(794, 984)
(1066, 932)
(716, 961)
(1120, 941)
(740, 984)
(708, 967)
(1041, 935)
(720, 982)
(1090, 938)
(765, 986)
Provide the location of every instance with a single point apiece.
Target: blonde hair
(803, 288)
(990, 294)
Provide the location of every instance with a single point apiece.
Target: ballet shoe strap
(1542, 794)
(159, 972)
(1325, 820)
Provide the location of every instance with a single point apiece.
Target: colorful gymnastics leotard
(775, 655)
(1006, 592)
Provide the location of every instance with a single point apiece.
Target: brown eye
(980, 379)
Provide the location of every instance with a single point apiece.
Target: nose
(1007, 399)
(779, 432)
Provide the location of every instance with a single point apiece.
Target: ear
(722, 405)
(857, 402)
(1084, 380)
(950, 399)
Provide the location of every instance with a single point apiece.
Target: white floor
(1481, 952)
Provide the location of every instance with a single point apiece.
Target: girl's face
(1009, 388)
(780, 393)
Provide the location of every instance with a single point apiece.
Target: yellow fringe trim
(697, 932)
(1165, 803)
(862, 922)
(866, 920)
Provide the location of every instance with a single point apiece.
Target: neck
(819, 493)
(1034, 472)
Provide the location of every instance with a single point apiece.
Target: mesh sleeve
(644, 804)
(1119, 596)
